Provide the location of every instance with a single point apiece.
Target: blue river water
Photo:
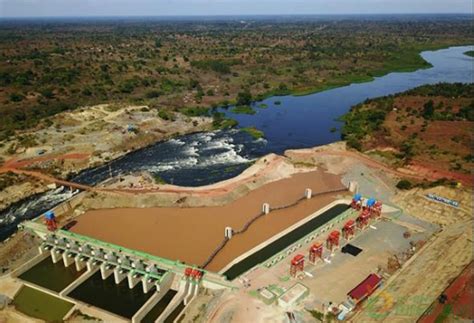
(298, 122)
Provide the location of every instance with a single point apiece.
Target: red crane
(356, 202)
(50, 220)
(363, 218)
(333, 239)
(377, 209)
(297, 264)
(349, 229)
(316, 251)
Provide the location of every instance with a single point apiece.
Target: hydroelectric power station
(166, 286)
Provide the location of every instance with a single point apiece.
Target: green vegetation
(195, 111)
(317, 315)
(406, 128)
(363, 120)
(35, 303)
(263, 106)
(469, 53)
(404, 184)
(254, 132)
(219, 66)
(244, 98)
(243, 109)
(366, 119)
(277, 102)
(8, 179)
(61, 66)
(158, 179)
(166, 115)
(220, 122)
(443, 316)
(450, 90)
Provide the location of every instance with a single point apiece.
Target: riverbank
(86, 138)
(410, 61)
(18, 187)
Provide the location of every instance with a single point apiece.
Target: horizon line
(243, 15)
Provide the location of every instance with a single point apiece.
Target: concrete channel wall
(183, 291)
(164, 288)
(310, 236)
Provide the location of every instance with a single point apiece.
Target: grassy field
(35, 303)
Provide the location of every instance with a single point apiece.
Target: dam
(148, 287)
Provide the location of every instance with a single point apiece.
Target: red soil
(460, 296)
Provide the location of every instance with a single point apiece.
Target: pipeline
(255, 218)
(215, 252)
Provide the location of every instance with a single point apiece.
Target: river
(298, 122)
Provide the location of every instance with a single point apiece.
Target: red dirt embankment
(192, 234)
(459, 302)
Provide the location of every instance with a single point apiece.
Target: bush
(216, 65)
(152, 94)
(166, 115)
(244, 98)
(16, 97)
(404, 185)
(354, 143)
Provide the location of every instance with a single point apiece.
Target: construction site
(318, 241)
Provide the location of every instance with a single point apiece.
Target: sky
(75, 8)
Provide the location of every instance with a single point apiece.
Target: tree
(16, 97)
(404, 184)
(244, 97)
(428, 109)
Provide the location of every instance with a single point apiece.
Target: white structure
(308, 193)
(266, 208)
(228, 232)
(353, 187)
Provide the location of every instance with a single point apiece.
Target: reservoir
(298, 122)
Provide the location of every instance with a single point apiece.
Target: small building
(365, 288)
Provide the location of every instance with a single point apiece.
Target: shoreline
(362, 78)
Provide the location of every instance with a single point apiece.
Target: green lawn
(35, 303)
